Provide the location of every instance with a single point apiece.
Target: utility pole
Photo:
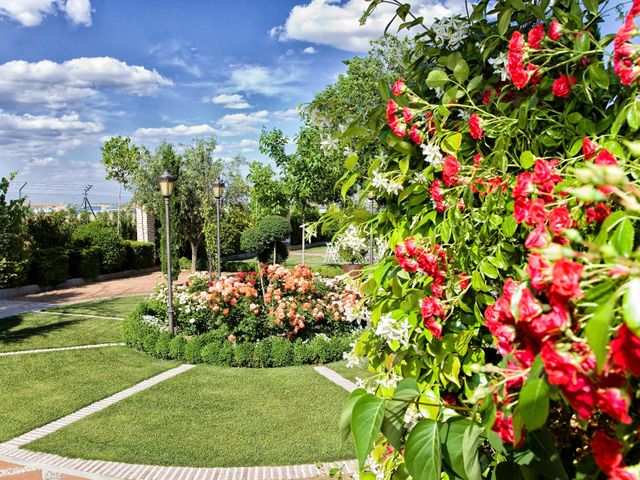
(86, 202)
(20, 191)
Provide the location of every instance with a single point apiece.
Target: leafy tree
(269, 194)
(120, 158)
(14, 255)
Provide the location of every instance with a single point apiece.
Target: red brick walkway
(13, 471)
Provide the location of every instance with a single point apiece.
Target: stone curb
(60, 349)
(335, 378)
(82, 315)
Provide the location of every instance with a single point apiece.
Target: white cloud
(309, 50)
(30, 13)
(42, 162)
(179, 54)
(241, 123)
(264, 80)
(287, 115)
(327, 22)
(234, 101)
(245, 145)
(177, 131)
(58, 84)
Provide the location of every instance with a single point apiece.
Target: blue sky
(75, 72)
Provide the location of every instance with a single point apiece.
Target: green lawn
(349, 373)
(315, 259)
(38, 330)
(111, 307)
(212, 416)
(36, 389)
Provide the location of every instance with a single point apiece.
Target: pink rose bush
(505, 334)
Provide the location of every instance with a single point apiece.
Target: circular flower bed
(272, 318)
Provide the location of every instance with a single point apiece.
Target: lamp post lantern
(166, 188)
(372, 201)
(218, 189)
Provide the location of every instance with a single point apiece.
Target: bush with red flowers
(505, 333)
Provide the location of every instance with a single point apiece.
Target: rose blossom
(450, 168)
(538, 238)
(399, 87)
(555, 30)
(475, 127)
(535, 36)
(562, 86)
(565, 278)
(615, 403)
(589, 148)
(559, 219)
(607, 451)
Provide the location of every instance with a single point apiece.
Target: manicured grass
(111, 307)
(349, 373)
(315, 259)
(212, 416)
(37, 330)
(36, 389)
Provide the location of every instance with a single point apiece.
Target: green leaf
(366, 420)
(582, 41)
(345, 417)
(622, 238)
(597, 332)
(592, 6)
(633, 115)
(351, 161)
(527, 159)
(461, 71)
(599, 76)
(423, 455)
(533, 405)
(451, 143)
(452, 434)
(348, 184)
(509, 226)
(437, 79)
(631, 305)
(470, 441)
(504, 21)
(474, 83)
(542, 456)
(393, 423)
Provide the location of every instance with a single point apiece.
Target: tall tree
(14, 257)
(120, 158)
(269, 194)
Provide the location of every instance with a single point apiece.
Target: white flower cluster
(327, 144)
(155, 322)
(390, 381)
(450, 31)
(352, 245)
(499, 65)
(411, 416)
(391, 330)
(432, 154)
(352, 358)
(381, 182)
(187, 302)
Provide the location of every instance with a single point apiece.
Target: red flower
(503, 426)
(607, 452)
(625, 351)
(521, 209)
(555, 30)
(435, 190)
(559, 219)
(615, 403)
(599, 213)
(565, 278)
(415, 134)
(408, 114)
(486, 97)
(464, 281)
(474, 126)
(476, 160)
(628, 473)
(538, 269)
(537, 215)
(562, 86)
(605, 157)
(589, 148)
(398, 127)
(515, 61)
(538, 238)
(550, 323)
(544, 175)
(432, 309)
(392, 108)
(528, 307)
(399, 87)
(535, 36)
(450, 168)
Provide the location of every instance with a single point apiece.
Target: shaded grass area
(38, 330)
(349, 373)
(39, 388)
(111, 307)
(213, 416)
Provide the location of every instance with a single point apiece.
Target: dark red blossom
(605, 157)
(559, 219)
(555, 30)
(450, 168)
(589, 148)
(538, 237)
(431, 310)
(565, 278)
(562, 86)
(399, 87)
(539, 272)
(408, 114)
(615, 403)
(625, 351)
(535, 36)
(545, 176)
(476, 160)
(607, 452)
(475, 127)
(598, 213)
(415, 134)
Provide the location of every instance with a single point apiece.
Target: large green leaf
(366, 419)
(470, 441)
(461, 71)
(437, 79)
(597, 331)
(622, 238)
(348, 184)
(631, 305)
(423, 455)
(533, 405)
(504, 21)
(460, 437)
(542, 456)
(345, 417)
(393, 421)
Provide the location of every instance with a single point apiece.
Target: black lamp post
(218, 189)
(166, 188)
(372, 201)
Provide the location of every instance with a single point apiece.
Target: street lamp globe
(166, 183)
(218, 188)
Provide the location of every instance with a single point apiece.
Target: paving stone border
(82, 315)
(60, 349)
(335, 377)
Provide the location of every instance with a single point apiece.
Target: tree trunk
(194, 255)
(119, 204)
(274, 252)
(303, 235)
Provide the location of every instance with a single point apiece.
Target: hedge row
(215, 349)
(52, 266)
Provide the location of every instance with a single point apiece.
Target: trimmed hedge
(113, 248)
(139, 255)
(215, 349)
(50, 266)
(85, 262)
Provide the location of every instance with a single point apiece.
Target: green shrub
(209, 353)
(281, 352)
(139, 255)
(328, 271)
(149, 343)
(163, 345)
(176, 348)
(218, 353)
(235, 220)
(193, 350)
(262, 353)
(319, 349)
(50, 266)
(113, 248)
(226, 355)
(244, 355)
(301, 353)
(185, 263)
(239, 266)
(259, 240)
(14, 251)
(85, 262)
